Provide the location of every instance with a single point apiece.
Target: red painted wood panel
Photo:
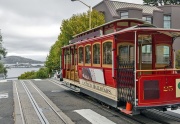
(167, 90)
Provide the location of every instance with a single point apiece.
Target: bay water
(13, 73)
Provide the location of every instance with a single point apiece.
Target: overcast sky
(30, 27)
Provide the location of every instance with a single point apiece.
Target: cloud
(30, 27)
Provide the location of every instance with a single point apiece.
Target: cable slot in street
(35, 105)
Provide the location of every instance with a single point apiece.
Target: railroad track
(146, 117)
(162, 117)
(35, 107)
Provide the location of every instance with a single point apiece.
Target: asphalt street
(80, 108)
(6, 102)
(71, 103)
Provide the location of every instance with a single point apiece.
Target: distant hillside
(15, 59)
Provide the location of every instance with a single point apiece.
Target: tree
(161, 2)
(76, 24)
(2, 54)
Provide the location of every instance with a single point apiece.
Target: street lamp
(89, 11)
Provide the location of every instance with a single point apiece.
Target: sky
(30, 27)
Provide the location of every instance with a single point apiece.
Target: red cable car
(125, 63)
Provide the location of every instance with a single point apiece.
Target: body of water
(15, 72)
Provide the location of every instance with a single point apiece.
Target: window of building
(107, 52)
(88, 54)
(123, 15)
(162, 54)
(147, 19)
(96, 53)
(80, 55)
(167, 21)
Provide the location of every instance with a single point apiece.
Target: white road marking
(94, 117)
(37, 79)
(175, 111)
(5, 95)
(3, 80)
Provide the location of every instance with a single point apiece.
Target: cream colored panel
(103, 90)
(177, 87)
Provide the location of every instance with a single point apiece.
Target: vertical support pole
(70, 62)
(135, 67)
(153, 52)
(113, 63)
(60, 61)
(74, 62)
(174, 53)
(63, 62)
(174, 59)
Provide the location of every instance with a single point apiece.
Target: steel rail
(60, 85)
(40, 115)
(169, 116)
(20, 107)
(48, 103)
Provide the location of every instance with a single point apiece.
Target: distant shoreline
(24, 65)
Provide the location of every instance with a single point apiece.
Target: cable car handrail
(158, 70)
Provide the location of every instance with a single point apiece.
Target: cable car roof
(111, 22)
(146, 27)
(149, 27)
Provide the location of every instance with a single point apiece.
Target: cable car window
(96, 54)
(126, 52)
(162, 54)
(67, 58)
(88, 54)
(147, 54)
(80, 50)
(107, 52)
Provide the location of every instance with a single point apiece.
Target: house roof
(113, 6)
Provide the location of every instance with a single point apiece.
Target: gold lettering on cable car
(168, 88)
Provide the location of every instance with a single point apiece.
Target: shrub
(28, 75)
(42, 73)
